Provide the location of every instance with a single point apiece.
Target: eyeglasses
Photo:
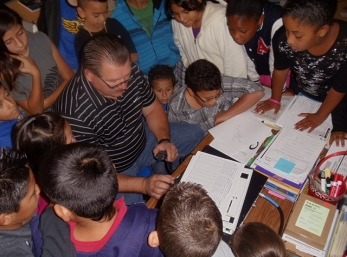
(210, 98)
(119, 84)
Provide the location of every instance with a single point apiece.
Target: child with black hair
(81, 181)
(256, 239)
(162, 80)
(252, 24)
(314, 46)
(19, 196)
(207, 98)
(189, 223)
(200, 32)
(95, 21)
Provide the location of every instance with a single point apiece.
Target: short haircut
(315, 13)
(249, 9)
(203, 75)
(103, 48)
(189, 222)
(82, 3)
(256, 239)
(35, 135)
(161, 71)
(14, 180)
(82, 178)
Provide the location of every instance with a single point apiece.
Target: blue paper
(284, 165)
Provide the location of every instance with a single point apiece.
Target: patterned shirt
(180, 111)
(315, 75)
(116, 125)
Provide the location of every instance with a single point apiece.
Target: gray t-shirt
(16, 243)
(40, 50)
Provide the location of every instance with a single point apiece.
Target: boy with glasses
(207, 98)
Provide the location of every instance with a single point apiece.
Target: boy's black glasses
(119, 84)
(211, 98)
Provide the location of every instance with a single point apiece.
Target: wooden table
(263, 211)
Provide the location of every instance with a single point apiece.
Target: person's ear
(62, 212)
(5, 219)
(80, 12)
(323, 30)
(190, 91)
(89, 75)
(153, 240)
(261, 20)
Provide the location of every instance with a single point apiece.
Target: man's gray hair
(103, 48)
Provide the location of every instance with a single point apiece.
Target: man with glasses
(207, 98)
(104, 103)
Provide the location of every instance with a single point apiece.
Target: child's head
(244, 17)
(188, 223)
(204, 82)
(162, 80)
(187, 12)
(14, 38)
(35, 135)
(8, 107)
(256, 239)
(94, 13)
(307, 22)
(19, 193)
(81, 180)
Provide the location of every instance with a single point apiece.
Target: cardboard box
(309, 225)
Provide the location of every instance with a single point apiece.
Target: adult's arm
(64, 71)
(34, 103)
(158, 124)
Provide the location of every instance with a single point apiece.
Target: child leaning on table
(19, 196)
(256, 239)
(162, 80)
(81, 181)
(189, 224)
(207, 98)
(314, 46)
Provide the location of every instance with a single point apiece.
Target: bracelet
(274, 101)
(164, 140)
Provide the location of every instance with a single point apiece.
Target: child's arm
(313, 120)
(34, 104)
(64, 71)
(55, 235)
(248, 92)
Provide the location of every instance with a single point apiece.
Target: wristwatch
(164, 140)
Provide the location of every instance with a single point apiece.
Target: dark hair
(203, 75)
(250, 9)
(35, 135)
(9, 70)
(8, 19)
(82, 178)
(82, 3)
(161, 71)
(188, 5)
(189, 222)
(256, 239)
(14, 180)
(313, 13)
(103, 48)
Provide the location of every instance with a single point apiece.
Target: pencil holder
(315, 190)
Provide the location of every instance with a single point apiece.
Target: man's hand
(265, 106)
(338, 137)
(170, 149)
(311, 121)
(157, 185)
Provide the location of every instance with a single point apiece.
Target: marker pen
(323, 182)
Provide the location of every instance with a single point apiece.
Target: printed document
(225, 181)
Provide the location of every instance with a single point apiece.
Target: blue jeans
(184, 136)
